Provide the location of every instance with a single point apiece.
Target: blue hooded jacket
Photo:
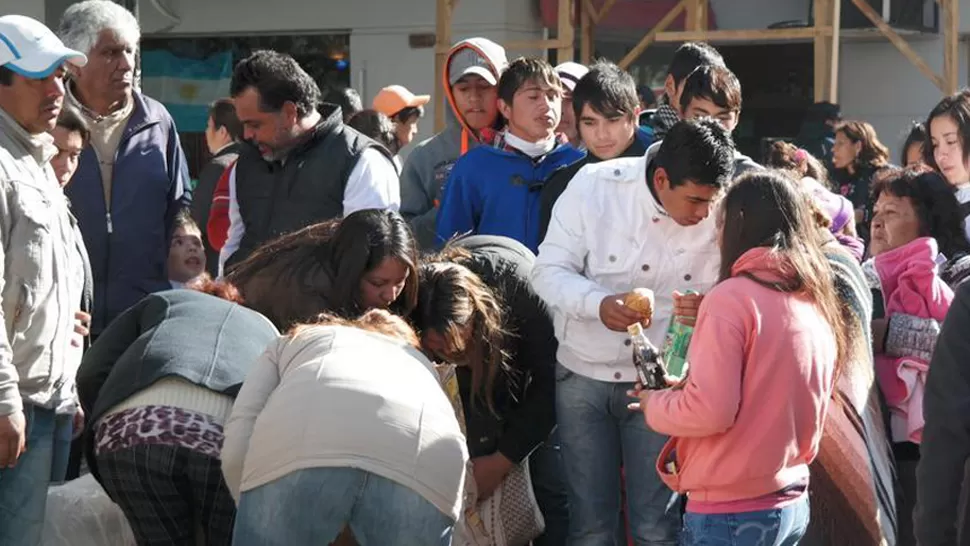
(128, 243)
(494, 191)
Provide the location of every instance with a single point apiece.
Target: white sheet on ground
(79, 513)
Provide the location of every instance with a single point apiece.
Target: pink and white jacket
(910, 285)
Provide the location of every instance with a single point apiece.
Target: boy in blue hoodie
(495, 190)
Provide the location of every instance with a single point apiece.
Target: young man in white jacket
(623, 224)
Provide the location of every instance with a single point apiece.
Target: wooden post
(586, 38)
(951, 47)
(652, 35)
(565, 32)
(827, 22)
(443, 12)
(696, 19)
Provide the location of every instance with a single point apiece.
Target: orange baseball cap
(394, 98)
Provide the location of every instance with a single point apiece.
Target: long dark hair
(874, 154)
(763, 209)
(318, 268)
(451, 298)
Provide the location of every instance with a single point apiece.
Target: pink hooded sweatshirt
(749, 419)
(910, 285)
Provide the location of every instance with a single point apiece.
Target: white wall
(30, 8)
(379, 51)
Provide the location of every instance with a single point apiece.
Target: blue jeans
(549, 484)
(313, 505)
(781, 527)
(598, 435)
(23, 488)
(61, 450)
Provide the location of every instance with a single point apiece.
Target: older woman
(916, 222)
(157, 386)
(345, 424)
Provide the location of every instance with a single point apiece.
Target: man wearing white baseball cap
(44, 267)
(570, 73)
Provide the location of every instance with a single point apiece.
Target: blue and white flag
(186, 86)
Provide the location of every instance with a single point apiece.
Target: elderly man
(131, 180)
(43, 263)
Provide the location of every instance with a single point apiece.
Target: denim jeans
(549, 484)
(781, 527)
(23, 488)
(61, 448)
(313, 505)
(598, 435)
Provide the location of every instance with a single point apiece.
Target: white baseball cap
(570, 73)
(30, 49)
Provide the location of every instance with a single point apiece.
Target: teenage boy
(714, 91)
(622, 224)
(494, 190)
(606, 105)
(686, 59)
(471, 77)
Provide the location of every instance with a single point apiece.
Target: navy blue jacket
(129, 248)
(494, 191)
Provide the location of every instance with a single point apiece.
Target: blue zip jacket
(493, 191)
(128, 243)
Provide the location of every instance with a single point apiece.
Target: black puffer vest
(276, 198)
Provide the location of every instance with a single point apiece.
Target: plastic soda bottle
(675, 344)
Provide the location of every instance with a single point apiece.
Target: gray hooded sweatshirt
(428, 166)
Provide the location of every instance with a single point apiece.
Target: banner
(186, 86)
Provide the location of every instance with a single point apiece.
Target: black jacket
(202, 199)
(276, 198)
(557, 183)
(182, 333)
(525, 399)
(946, 434)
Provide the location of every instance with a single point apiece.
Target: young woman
(746, 423)
(345, 424)
(948, 152)
(913, 146)
(367, 260)
(858, 156)
(477, 309)
(157, 386)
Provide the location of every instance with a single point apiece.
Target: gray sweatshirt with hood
(428, 166)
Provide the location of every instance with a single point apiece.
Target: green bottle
(675, 345)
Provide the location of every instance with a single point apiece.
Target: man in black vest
(304, 166)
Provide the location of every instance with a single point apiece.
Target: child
(186, 258)
(71, 136)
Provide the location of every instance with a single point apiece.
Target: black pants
(167, 493)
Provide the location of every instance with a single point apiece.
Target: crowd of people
(326, 341)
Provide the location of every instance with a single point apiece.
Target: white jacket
(609, 235)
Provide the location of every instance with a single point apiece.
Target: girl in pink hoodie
(747, 421)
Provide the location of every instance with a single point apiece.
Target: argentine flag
(186, 86)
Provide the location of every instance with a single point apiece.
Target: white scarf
(531, 149)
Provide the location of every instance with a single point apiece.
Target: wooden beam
(443, 12)
(771, 34)
(565, 32)
(951, 51)
(822, 58)
(607, 6)
(586, 36)
(696, 19)
(652, 35)
(900, 43)
(519, 45)
(834, 50)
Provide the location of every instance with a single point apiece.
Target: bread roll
(641, 301)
